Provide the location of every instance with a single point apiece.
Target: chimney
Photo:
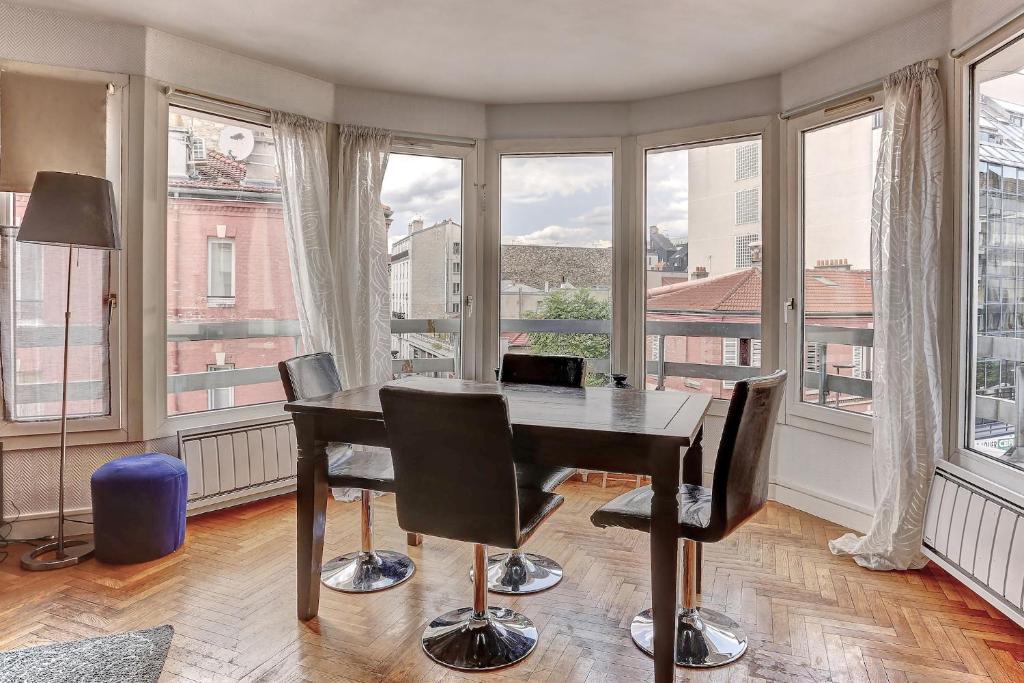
(698, 273)
(416, 224)
(755, 254)
(835, 264)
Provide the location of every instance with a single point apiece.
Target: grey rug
(133, 657)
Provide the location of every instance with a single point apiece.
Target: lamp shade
(68, 209)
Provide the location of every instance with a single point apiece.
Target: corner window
(556, 259)
(995, 310)
(224, 206)
(837, 172)
(703, 282)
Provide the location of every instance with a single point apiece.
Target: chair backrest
(452, 452)
(740, 485)
(555, 371)
(309, 376)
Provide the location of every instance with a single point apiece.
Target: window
(748, 161)
(995, 310)
(241, 306)
(703, 301)
(32, 351)
(220, 397)
(556, 256)
(198, 149)
(837, 169)
(423, 198)
(748, 206)
(744, 253)
(221, 272)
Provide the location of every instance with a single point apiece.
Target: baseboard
(822, 505)
(248, 495)
(44, 524)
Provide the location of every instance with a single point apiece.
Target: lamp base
(45, 557)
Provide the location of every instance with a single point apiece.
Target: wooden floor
(230, 595)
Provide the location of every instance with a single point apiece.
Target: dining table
(632, 431)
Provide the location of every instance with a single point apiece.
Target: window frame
(490, 259)
(962, 314)
(112, 428)
(155, 422)
(843, 424)
(768, 129)
(468, 153)
(226, 299)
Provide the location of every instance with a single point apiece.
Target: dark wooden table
(615, 430)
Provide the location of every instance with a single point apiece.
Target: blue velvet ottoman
(138, 507)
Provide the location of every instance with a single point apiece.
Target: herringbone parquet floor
(230, 596)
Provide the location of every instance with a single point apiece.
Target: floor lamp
(77, 212)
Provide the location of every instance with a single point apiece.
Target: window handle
(790, 305)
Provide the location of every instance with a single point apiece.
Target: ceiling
(518, 51)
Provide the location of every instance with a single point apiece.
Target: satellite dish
(237, 142)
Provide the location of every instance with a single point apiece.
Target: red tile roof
(826, 291)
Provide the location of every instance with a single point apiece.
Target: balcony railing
(661, 368)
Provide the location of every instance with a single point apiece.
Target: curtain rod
(400, 136)
(203, 97)
(834, 101)
(978, 37)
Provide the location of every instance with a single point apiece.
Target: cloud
(561, 236)
(599, 215)
(419, 186)
(531, 179)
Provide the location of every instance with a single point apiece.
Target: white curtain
(360, 242)
(301, 147)
(905, 225)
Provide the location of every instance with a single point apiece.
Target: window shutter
(50, 124)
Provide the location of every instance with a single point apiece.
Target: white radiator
(979, 536)
(242, 460)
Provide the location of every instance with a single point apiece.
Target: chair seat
(632, 510)
(541, 477)
(359, 469)
(534, 508)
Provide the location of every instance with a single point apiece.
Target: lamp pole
(36, 560)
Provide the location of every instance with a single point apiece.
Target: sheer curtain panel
(905, 224)
(301, 148)
(359, 243)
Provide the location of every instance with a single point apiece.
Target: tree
(578, 304)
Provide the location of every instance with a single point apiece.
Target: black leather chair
(740, 488)
(455, 478)
(517, 572)
(367, 570)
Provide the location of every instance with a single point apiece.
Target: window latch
(469, 305)
(789, 306)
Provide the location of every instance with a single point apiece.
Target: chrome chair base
(518, 573)
(367, 572)
(459, 640)
(704, 638)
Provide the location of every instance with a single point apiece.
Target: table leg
(311, 515)
(693, 473)
(664, 560)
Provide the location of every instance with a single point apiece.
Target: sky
(562, 200)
